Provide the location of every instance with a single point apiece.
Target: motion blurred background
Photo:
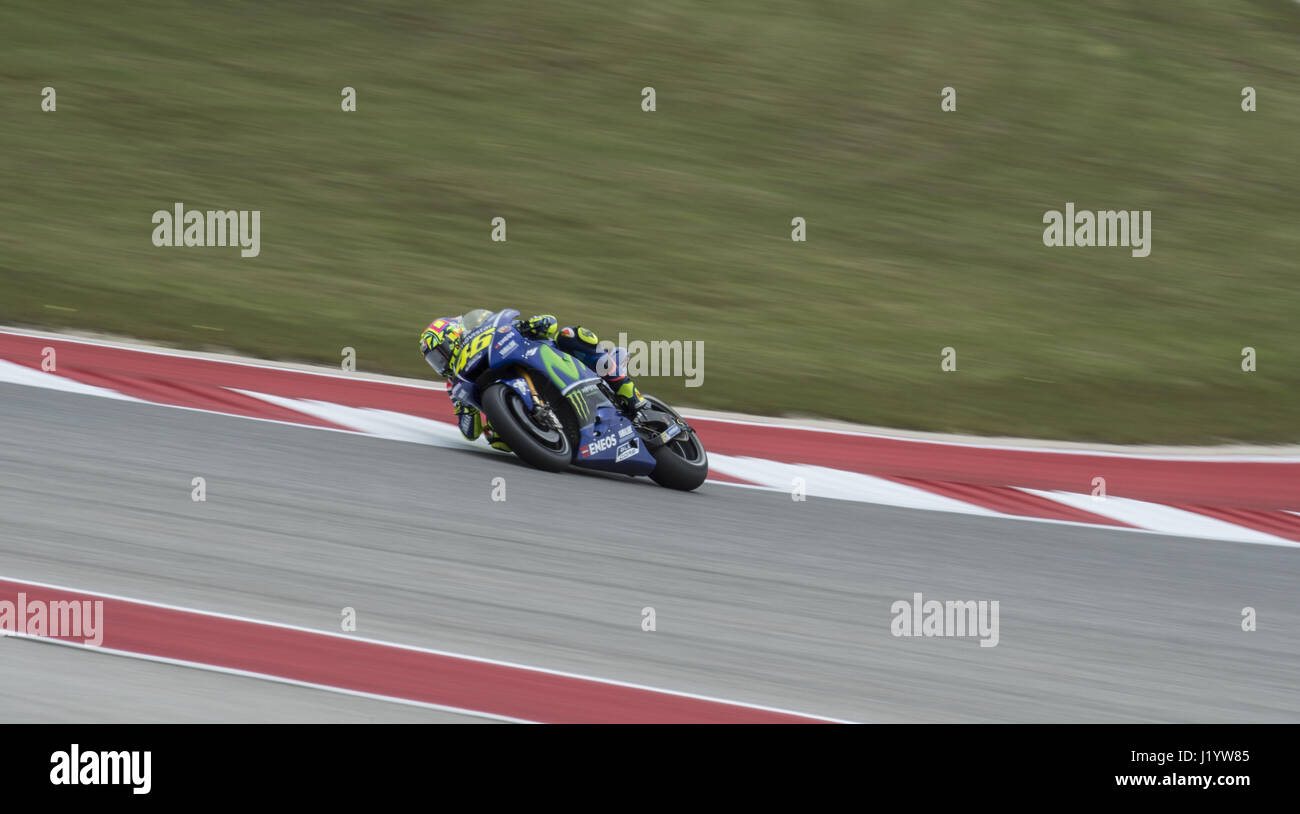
(924, 227)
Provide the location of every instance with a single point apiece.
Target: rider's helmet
(439, 342)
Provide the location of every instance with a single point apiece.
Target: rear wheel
(529, 435)
(682, 462)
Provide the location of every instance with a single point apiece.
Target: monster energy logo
(579, 402)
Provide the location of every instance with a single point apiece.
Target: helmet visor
(439, 357)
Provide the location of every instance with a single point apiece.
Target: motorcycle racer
(440, 340)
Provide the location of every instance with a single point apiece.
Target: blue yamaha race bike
(554, 411)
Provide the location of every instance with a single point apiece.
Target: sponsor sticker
(599, 445)
(626, 451)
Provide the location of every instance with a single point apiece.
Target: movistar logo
(560, 365)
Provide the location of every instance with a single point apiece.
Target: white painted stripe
(820, 481)
(414, 648)
(773, 475)
(372, 421)
(226, 360)
(1192, 455)
(213, 668)
(12, 373)
(1164, 519)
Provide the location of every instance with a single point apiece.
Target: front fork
(540, 407)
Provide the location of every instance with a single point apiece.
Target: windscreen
(475, 318)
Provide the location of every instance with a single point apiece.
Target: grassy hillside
(924, 227)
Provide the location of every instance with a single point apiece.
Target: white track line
(225, 360)
(1164, 519)
(418, 649)
(756, 421)
(13, 373)
(1047, 450)
(388, 424)
(213, 668)
(819, 481)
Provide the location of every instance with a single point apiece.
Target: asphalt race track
(758, 598)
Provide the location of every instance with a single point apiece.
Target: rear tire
(680, 464)
(545, 448)
(673, 472)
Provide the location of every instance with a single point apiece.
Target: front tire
(546, 448)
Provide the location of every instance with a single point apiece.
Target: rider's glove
(542, 326)
(469, 421)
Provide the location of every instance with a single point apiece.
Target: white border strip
(408, 438)
(1026, 446)
(427, 650)
(1163, 519)
(1191, 457)
(214, 668)
(223, 359)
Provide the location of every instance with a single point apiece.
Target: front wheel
(682, 462)
(529, 436)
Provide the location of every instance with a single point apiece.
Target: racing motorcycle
(554, 411)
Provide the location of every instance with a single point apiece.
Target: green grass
(924, 228)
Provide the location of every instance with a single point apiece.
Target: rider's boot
(626, 397)
(492, 437)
